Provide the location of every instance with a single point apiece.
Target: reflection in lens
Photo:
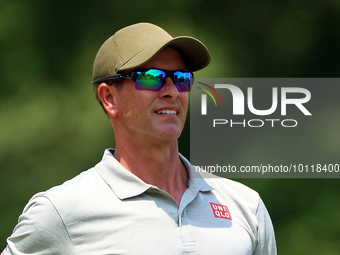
(183, 80)
(152, 79)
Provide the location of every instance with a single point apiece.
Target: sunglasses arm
(115, 77)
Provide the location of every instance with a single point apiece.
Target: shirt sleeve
(40, 230)
(266, 244)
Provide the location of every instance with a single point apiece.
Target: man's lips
(167, 110)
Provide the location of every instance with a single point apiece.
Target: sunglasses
(155, 79)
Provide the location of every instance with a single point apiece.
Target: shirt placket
(186, 228)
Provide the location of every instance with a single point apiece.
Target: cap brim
(196, 56)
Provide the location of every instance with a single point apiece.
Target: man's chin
(168, 134)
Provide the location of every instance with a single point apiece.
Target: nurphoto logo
(302, 96)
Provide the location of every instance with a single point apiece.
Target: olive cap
(135, 45)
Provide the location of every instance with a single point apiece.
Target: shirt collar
(196, 179)
(125, 184)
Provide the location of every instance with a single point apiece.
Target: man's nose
(169, 89)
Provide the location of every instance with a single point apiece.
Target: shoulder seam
(68, 234)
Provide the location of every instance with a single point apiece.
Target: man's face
(141, 112)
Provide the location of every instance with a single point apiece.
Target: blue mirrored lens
(183, 80)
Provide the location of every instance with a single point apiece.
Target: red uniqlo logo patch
(2, 253)
(221, 211)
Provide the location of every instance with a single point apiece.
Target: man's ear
(106, 94)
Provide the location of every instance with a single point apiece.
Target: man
(144, 197)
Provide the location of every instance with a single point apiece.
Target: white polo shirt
(108, 210)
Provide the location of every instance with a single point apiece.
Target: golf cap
(135, 45)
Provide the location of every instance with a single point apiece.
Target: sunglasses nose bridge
(171, 75)
(172, 81)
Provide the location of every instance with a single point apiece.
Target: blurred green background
(52, 128)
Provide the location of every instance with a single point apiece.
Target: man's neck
(160, 166)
